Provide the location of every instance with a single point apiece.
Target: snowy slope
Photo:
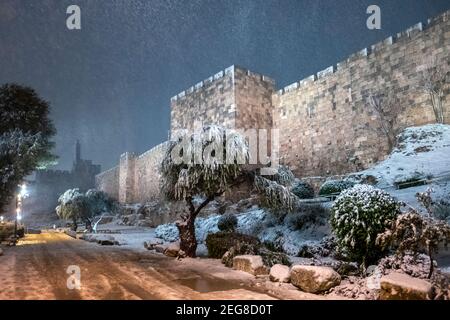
(421, 151)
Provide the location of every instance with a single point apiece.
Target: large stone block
(400, 286)
(314, 279)
(250, 263)
(280, 273)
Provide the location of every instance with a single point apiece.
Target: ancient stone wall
(325, 124)
(208, 102)
(147, 176)
(108, 181)
(135, 179)
(324, 120)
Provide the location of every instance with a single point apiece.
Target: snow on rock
(400, 286)
(280, 273)
(252, 264)
(420, 151)
(314, 279)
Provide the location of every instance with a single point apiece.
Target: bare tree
(434, 80)
(387, 108)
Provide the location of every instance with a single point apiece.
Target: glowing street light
(1, 219)
(21, 194)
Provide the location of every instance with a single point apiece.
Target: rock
(106, 240)
(150, 245)
(280, 273)
(400, 286)
(172, 250)
(314, 279)
(160, 248)
(252, 264)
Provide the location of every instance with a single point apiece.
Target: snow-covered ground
(421, 151)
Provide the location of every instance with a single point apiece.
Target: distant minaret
(78, 152)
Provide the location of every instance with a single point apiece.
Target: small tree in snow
(205, 164)
(411, 232)
(434, 80)
(387, 109)
(74, 205)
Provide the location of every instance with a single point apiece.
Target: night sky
(109, 84)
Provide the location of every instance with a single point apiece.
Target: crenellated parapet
(367, 53)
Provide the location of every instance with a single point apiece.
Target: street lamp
(21, 194)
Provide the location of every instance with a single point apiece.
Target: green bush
(331, 187)
(227, 222)
(227, 245)
(358, 215)
(220, 242)
(74, 205)
(303, 190)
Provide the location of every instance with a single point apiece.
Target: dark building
(48, 185)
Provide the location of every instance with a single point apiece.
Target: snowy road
(37, 269)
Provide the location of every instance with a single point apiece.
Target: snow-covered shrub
(227, 222)
(302, 190)
(411, 232)
(311, 214)
(275, 196)
(167, 232)
(358, 215)
(203, 226)
(283, 176)
(220, 242)
(254, 221)
(99, 201)
(331, 187)
(441, 210)
(73, 205)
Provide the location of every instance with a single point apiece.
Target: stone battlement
(368, 52)
(226, 72)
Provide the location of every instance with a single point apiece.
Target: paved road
(37, 269)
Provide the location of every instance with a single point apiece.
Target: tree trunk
(186, 226)
(88, 225)
(188, 242)
(74, 224)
